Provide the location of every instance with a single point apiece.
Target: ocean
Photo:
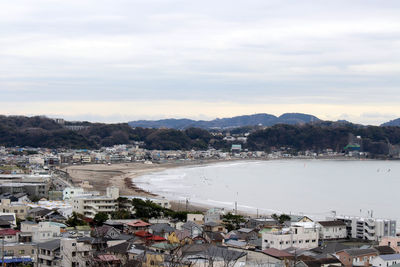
(310, 187)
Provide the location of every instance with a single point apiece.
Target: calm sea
(312, 187)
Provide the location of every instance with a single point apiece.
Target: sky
(123, 60)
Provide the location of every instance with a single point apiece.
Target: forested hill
(262, 119)
(44, 132)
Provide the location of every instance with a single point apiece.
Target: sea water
(312, 187)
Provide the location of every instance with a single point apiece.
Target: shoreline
(122, 175)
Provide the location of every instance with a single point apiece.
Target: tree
(232, 221)
(100, 218)
(282, 218)
(75, 219)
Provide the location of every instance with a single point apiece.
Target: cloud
(243, 52)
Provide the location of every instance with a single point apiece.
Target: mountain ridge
(262, 119)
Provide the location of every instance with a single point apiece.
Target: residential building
(75, 252)
(357, 257)
(294, 236)
(391, 241)
(368, 228)
(49, 253)
(19, 253)
(385, 260)
(329, 230)
(91, 205)
(20, 210)
(214, 215)
(39, 232)
(9, 235)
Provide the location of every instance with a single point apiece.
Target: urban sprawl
(48, 220)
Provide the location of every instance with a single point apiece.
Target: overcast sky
(124, 60)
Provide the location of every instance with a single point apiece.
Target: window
(313, 241)
(22, 252)
(307, 241)
(281, 242)
(73, 244)
(73, 253)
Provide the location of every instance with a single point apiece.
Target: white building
(70, 192)
(91, 205)
(294, 236)
(40, 232)
(76, 252)
(332, 230)
(385, 260)
(368, 228)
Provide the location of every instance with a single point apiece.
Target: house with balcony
(49, 253)
(371, 229)
(294, 236)
(76, 251)
(331, 230)
(91, 205)
(356, 257)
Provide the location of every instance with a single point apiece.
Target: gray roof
(189, 225)
(360, 252)
(162, 228)
(209, 250)
(332, 223)
(390, 257)
(50, 245)
(235, 243)
(7, 217)
(245, 230)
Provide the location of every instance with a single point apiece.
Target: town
(48, 220)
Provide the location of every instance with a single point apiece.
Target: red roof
(138, 223)
(9, 232)
(156, 238)
(143, 233)
(277, 253)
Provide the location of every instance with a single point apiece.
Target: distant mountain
(234, 122)
(395, 122)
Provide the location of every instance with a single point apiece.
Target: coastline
(122, 176)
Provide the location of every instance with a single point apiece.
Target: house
(391, 241)
(294, 236)
(331, 230)
(277, 257)
(327, 250)
(9, 218)
(299, 218)
(49, 253)
(39, 232)
(126, 251)
(357, 257)
(137, 225)
(203, 254)
(320, 262)
(214, 215)
(19, 209)
(214, 227)
(161, 229)
(385, 260)
(76, 251)
(261, 223)
(105, 231)
(193, 228)
(247, 234)
(9, 235)
(197, 218)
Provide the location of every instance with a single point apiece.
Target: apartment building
(368, 228)
(331, 230)
(76, 252)
(49, 253)
(39, 232)
(91, 205)
(20, 210)
(294, 236)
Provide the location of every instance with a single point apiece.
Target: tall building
(368, 228)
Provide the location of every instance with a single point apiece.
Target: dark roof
(120, 248)
(215, 236)
(39, 211)
(332, 223)
(4, 223)
(385, 250)
(50, 245)
(162, 228)
(276, 253)
(359, 252)
(7, 217)
(209, 250)
(320, 262)
(329, 248)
